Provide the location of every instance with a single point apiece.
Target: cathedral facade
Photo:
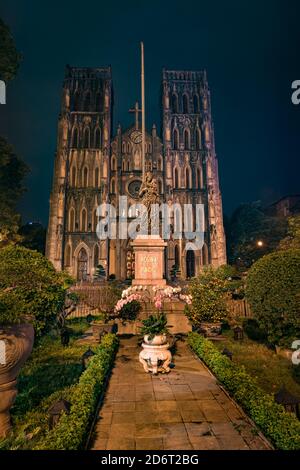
(93, 166)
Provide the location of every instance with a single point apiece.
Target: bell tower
(191, 164)
(81, 176)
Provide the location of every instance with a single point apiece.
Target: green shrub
(30, 287)
(253, 330)
(71, 431)
(273, 291)
(130, 311)
(282, 428)
(208, 297)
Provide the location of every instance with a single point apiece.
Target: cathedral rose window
(134, 188)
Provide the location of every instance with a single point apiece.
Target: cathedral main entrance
(190, 263)
(82, 265)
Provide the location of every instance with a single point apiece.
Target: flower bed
(282, 428)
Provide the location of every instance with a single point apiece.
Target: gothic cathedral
(93, 166)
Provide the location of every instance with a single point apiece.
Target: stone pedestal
(149, 260)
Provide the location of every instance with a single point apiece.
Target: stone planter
(157, 340)
(16, 345)
(210, 329)
(100, 329)
(155, 355)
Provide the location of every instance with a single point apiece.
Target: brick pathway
(185, 409)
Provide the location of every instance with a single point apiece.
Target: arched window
(96, 256)
(128, 165)
(86, 140)
(68, 256)
(95, 220)
(176, 179)
(73, 177)
(83, 220)
(176, 253)
(187, 178)
(123, 165)
(128, 148)
(97, 138)
(196, 103)
(87, 101)
(71, 220)
(113, 186)
(199, 183)
(159, 164)
(198, 139)
(185, 104)
(175, 139)
(186, 136)
(82, 265)
(75, 138)
(160, 187)
(174, 103)
(190, 263)
(113, 163)
(98, 102)
(96, 177)
(123, 147)
(85, 177)
(76, 101)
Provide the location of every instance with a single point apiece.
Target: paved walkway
(185, 409)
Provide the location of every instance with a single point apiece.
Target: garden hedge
(72, 429)
(282, 428)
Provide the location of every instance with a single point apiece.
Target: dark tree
(292, 240)
(251, 234)
(12, 172)
(33, 236)
(9, 56)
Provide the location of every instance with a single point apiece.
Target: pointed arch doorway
(190, 263)
(82, 265)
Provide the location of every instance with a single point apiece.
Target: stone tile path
(185, 409)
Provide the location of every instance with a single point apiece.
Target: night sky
(250, 50)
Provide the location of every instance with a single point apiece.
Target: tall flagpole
(143, 108)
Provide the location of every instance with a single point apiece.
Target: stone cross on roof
(136, 110)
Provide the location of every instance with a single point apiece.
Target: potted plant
(31, 295)
(154, 329)
(155, 355)
(209, 307)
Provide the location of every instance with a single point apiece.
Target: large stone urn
(16, 343)
(155, 355)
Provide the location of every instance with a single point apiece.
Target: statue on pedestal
(149, 196)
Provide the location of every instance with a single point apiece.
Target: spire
(143, 108)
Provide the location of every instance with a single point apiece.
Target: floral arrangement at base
(154, 294)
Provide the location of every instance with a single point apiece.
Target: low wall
(96, 293)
